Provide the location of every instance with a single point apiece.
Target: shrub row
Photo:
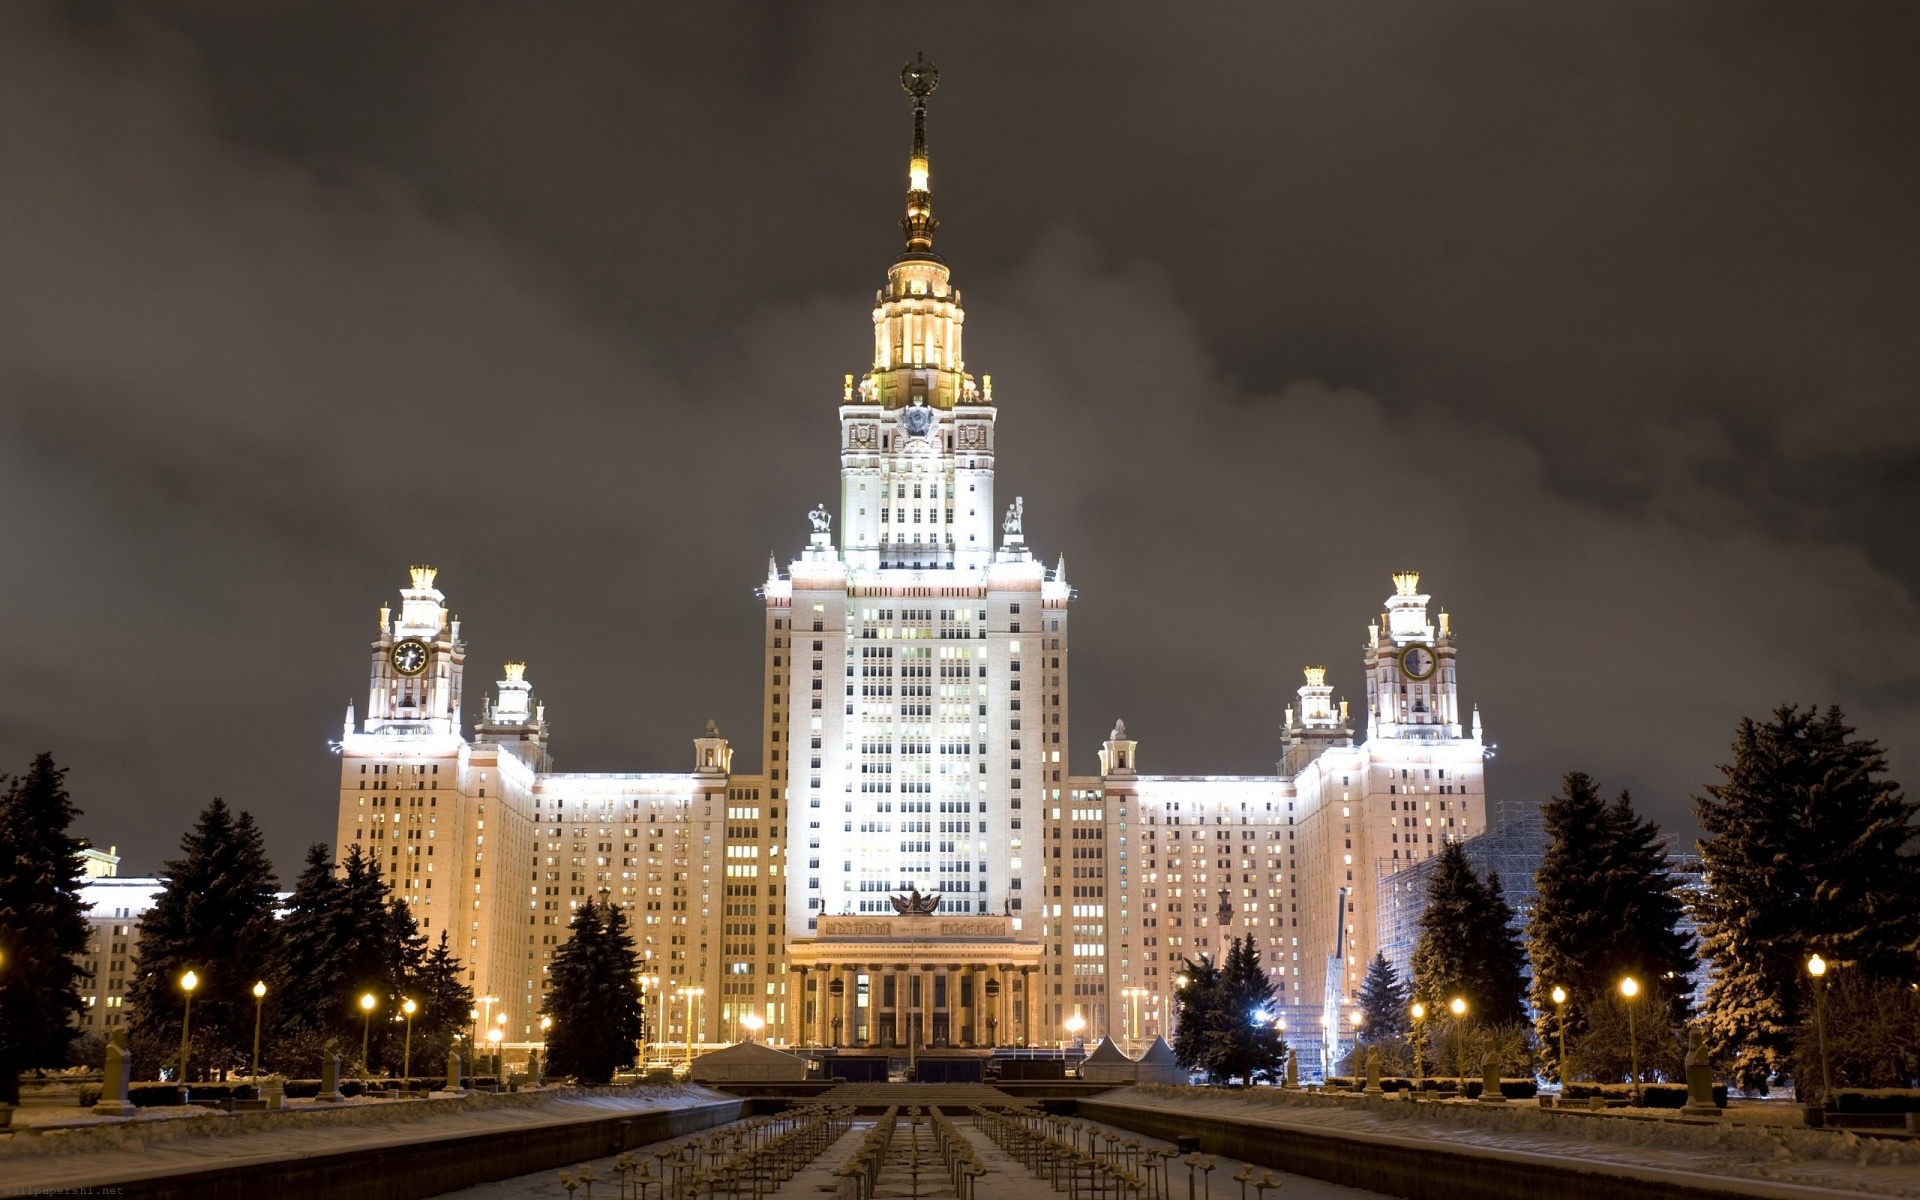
(1652, 1095)
(1512, 1089)
(1877, 1100)
(161, 1095)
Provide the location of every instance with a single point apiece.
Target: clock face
(918, 420)
(1417, 662)
(409, 657)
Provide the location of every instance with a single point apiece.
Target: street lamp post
(1560, 1019)
(408, 1007)
(1629, 988)
(1458, 1007)
(259, 1000)
(1817, 967)
(754, 1023)
(188, 982)
(493, 1045)
(366, 1028)
(1419, 1015)
(498, 1035)
(1072, 1025)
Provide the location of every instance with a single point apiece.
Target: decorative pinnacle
(423, 576)
(919, 78)
(1406, 583)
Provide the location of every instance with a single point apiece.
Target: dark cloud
(1598, 317)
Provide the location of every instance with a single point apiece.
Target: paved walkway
(1005, 1179)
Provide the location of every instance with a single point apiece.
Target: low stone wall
(412, 1170)
(1422, 1169)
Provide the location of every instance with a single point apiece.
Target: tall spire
(919, 78)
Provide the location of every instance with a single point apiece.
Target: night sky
(1600, 316)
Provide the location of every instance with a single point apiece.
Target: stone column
(796, 1022)
(926, 1007)
(944, 985)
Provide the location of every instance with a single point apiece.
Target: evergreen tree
(1808, 848)
(43, 925)
(312, 977)
(1607, 907)
(346, 936)
(1193, 1005)
(444, 999)
(214, 916)
(1467, 946)
(1225, 1017)
(1383, 1004)
(595, 998)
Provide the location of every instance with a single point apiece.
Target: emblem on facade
(913, 904)
(917, 419)
(973, 437)
(862, 437)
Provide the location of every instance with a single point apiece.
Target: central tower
(916, 434)
(916, 671)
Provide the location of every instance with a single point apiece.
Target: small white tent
(1106, 1063)
(1158, 1065)
(748, 1062)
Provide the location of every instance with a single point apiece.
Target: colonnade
(937, 1005)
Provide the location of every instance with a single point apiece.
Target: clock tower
(1411, 687)
(418, 664)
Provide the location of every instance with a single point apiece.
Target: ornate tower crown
(516, 672)
(423, 576)
(1406, 583)
(1316, 676)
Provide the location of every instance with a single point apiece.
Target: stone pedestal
(1490, 1082)
(273, 1093)
(535, 1072)
(453, 1074)
(330, 1079)
(1293, 1073)
(1373, 1071)
(116, 1077)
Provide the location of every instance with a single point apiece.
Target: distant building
(100, 864)
(114, 909)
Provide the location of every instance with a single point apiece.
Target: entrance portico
(927, 981)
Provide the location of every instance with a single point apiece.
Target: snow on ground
(69, 1158)
(1746, 1150)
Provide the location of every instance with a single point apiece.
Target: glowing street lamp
(1560, 1018)
(754, 1023)
(366, 1027)
(1419, 1015)
(493, 1046)
(1629, 988)
(1072, 1025)
(259, 998)
(188, 982)
(1458, 1007)
(408, 1007)
(692, 994)
(1817, 967)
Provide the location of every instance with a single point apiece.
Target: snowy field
(195, 1139)
(1768, 1149)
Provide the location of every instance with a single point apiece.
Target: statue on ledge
(913, 904)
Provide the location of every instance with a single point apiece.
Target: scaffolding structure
(1511, 847)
